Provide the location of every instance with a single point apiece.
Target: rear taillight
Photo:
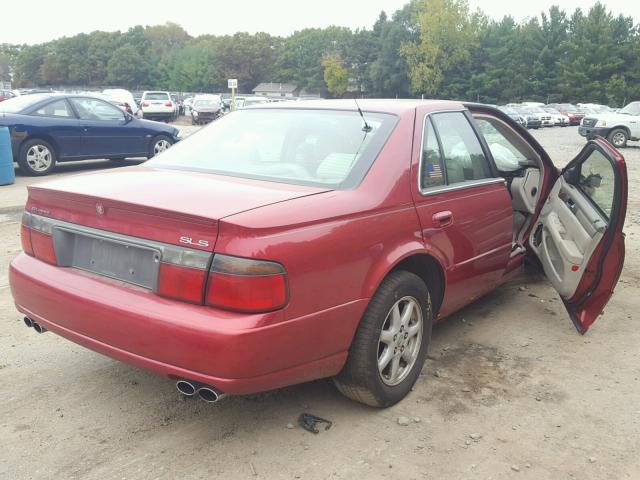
(182, 283)
(145, 104)
(36, 236)
(182, 274)
(168, 104)
(246, 285)
(25, 234)
(43, 247)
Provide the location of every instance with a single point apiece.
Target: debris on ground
(309, 422)
(404, 421)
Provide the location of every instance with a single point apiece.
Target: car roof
(395, 106)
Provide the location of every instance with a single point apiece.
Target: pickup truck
(618, 128)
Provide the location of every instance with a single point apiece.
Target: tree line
(435, 48)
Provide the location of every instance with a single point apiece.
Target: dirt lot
(510, 391)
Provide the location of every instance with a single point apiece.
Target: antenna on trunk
(366, 127)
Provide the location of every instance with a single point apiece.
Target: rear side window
(432, 172)
(59, 108)
(463, 156)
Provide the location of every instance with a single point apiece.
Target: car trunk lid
(163, 205)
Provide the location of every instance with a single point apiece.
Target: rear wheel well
(46, 138)
(430, 271)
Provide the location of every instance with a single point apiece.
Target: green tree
(388, 71)
(27, 66)
(127, 68)
(447, 34)
(336, 76)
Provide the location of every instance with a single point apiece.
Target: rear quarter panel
(336, 246)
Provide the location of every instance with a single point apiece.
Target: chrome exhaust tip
(210, 395)
(186, 388)
(28, 322)
(38, 328)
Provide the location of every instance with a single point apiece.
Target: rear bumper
(236, 353)
(158, 114)
(590, 132)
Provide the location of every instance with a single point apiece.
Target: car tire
(158, 145)
(37, 158)
(362, 379)
(618, 137)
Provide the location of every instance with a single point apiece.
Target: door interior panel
(567, 232)
(525, 191)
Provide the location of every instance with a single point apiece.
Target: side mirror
(572, 175)
(127, 117)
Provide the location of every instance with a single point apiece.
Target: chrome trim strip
(456, 186)
(462, 186)
(173, 254)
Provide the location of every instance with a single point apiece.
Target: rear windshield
(307, 147)
(206, 103)
(156, 96)
(17, 104)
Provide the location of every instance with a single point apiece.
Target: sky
(46, 20)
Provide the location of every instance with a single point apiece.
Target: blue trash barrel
(7, 175)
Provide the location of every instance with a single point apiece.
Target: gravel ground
(510, 390)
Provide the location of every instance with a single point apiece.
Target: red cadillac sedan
(296, 241)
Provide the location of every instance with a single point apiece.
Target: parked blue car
(49, 128)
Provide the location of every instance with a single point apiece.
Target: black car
(533, 121)
(50, 128)
(514, 115)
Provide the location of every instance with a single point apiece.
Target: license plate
(129, 263)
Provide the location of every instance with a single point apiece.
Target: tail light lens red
(36, 238)
(182, 283)
(25, 234)
(43, 247)
(145, 104)
(246, 285)
(168, 104)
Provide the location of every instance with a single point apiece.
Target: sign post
(232, 83)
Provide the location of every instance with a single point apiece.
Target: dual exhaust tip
(207, 393)
(35, 325)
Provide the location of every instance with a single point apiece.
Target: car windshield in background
(631, 109)
(307, 147)
(17, 104)
(206, 104)
(156, 96)
(508, 110)
(569, 108)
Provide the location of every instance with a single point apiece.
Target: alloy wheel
(39, 158)
(618, 139)
(400, 339)
(160, 146)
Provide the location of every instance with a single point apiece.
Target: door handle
(442, 219)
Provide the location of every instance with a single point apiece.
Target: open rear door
(578, 235)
